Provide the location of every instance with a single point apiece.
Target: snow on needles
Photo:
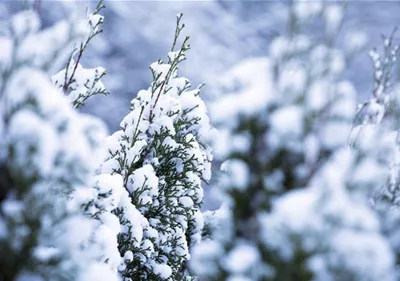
(309, 181)
(162, 155)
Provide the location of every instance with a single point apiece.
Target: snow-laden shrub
(377, 125)
(297, 196)
(48, 153)
(153, 171)
(378, 117)
(75, 81)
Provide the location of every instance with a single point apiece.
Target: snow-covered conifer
(297, 197)
(377, 119)
(48, 153)
(159, 157)
(376, 127)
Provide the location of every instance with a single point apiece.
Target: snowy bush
(139, 213)
(297, 196)
(376, 124)
(48, 153)
(309, 183)
(153, 171)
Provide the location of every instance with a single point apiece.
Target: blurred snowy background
(223, 33)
